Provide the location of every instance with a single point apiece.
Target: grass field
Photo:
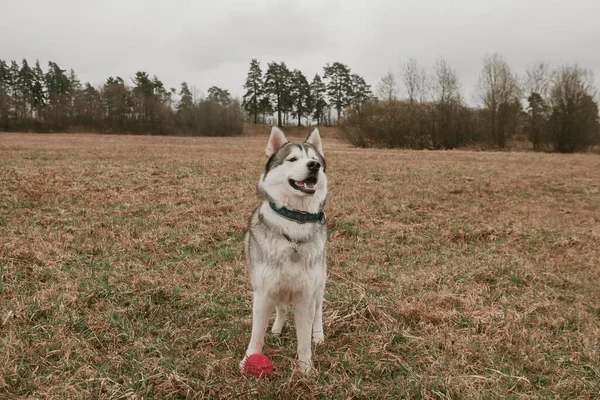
(451, 274)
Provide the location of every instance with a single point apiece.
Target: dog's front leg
(318, 336)
(304, 314)
(262, 306)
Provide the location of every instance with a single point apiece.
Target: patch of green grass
(22, 203)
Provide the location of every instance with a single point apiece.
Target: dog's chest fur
(268, 251)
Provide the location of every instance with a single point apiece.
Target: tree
(446, 84)
(221, 96)
(537, 83)
(447, 107)
(265, 108)
(277, 87)
(25, 85)
(117, 104)
(185, 109)
(416, 122)
(360, 92)
(339, 86)
(538, 79)
(499, 91)
(38, 89)
(57, 86)
(5, 95)
(574, 121)
(300, 95)
(387, 88)
(57, 82)
(92, 106)
(254, 90)
(13, 84)
(75, 102)
(414, 79)
(152, 104)
(319, 104)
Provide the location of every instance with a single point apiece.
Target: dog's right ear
(276, 141)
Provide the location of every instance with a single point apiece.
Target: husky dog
(285, 243)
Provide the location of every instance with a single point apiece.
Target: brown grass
(260, 130)
(451, 274)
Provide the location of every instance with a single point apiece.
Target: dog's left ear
(314, 139)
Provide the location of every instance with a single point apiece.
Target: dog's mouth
(305, 186)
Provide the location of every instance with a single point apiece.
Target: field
(452, 274)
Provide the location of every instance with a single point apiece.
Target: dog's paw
(243, 362)
(275, 331)
(318, 338)
(305, 366)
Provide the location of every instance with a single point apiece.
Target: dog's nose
(313, 165)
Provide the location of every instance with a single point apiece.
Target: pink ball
(257, 365)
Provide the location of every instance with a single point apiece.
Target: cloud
(280, 30)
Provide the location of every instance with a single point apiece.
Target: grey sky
(211, 43)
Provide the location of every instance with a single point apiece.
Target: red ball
(257, 365)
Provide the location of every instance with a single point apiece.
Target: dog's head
(295, 173)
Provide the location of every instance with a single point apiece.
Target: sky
(208, 43)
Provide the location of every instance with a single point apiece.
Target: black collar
(300, 217)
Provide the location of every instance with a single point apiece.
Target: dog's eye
(293, 159)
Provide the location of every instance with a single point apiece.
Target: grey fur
(277, 278)
(279, 158)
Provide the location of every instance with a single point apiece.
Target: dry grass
(452, 274)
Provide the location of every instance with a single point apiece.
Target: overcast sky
(211, 42)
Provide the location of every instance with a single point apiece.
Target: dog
(284, 245)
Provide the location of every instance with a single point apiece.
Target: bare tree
(536, 85)
(446, 111)
(574, 122)
(446, 85)
(387, 89)
(499, 91)
(414, 79)
(537, 79)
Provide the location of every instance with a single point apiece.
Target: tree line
(285, 92)
(33, 99)
(555, 110)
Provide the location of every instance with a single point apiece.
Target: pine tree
(254, 90)
(25, 85)
(74, 101)
(118, 105)
(277, 87)
(13, 90)
(220, 96)
(92, 106)
(319, 104)
(300, 96)
(361, 92)
(57, 82)
(186, 101)
(265, 108)
(38, 90)
(185, 109)
(339, 86)
(5, 99)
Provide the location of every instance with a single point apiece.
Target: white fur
(277, 281)
(315, 139)
(276, 140)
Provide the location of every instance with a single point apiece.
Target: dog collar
(300, 217)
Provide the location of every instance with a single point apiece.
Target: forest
(416, 107)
